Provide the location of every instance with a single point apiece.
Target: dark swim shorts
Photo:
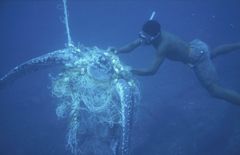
(201, 63)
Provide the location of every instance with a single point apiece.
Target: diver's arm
(161, 50)
(130, 47)
(152, 70)
(45, 61)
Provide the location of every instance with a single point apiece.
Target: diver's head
(152, 28)
(151, 31)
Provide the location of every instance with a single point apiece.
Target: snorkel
(152, 15)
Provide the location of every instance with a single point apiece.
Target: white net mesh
(89, 98)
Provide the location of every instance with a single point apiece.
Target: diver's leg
(222, 93)
(207, 75)
(224, 49)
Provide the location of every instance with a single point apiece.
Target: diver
(195, 54)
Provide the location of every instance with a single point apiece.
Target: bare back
(173, 48)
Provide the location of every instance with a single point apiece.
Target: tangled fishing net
(89, 96)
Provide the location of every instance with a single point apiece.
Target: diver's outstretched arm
(224, 49)
(130, 47)
(59, 57)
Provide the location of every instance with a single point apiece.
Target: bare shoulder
(173, 41)
(169, 37)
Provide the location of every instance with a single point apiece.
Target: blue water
(176, 115)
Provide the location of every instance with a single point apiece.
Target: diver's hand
(112, 49)
(134, 71)
(126, 74)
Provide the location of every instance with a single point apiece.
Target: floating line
(70, 43)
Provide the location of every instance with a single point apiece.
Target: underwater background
(176, 115)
